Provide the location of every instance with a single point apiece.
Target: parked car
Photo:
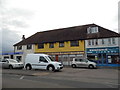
(4, 64)
(83, 63)
(96, 61)
(11, 63)
(41, 61)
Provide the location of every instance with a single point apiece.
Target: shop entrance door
(102, 58)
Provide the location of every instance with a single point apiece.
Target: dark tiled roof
(65, 34)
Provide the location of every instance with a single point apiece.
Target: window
(92, 30)
(40, 46)
(42, 59)
(89, 42)
(96, 41)
(19, 47)
(113, 40)
(109, 40)
(61, 44)
(103, 41)
(93, 42)
(74, 43)
(29, 46)
(51, 45)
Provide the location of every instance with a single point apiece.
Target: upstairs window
(103, 41)
(61, 44)
(89, 42)
(92, 30)
(51, 45)
(113, 41)
(40, 46)
(19, 47)
(92, 41)
(96, 41)
(74, 43)
(109, 40)
(29, 46)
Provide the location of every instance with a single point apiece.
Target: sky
(26, 17)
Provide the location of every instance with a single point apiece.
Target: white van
(41, 61)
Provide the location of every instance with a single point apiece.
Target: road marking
(112, 83)
(40, 74)
(21, 77)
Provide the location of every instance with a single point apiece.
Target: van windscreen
(49, 58)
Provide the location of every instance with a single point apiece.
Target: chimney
(23, 37)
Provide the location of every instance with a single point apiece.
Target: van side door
(42, 62)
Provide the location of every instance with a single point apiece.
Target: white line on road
(112, 83)
(21, 77)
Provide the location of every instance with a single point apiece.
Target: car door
(78, 62)
(83, 63)
(43, 62)
(5, 64)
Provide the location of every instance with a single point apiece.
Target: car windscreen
(12, 61)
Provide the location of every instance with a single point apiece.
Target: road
(67, 78)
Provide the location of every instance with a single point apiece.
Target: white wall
(25, 51)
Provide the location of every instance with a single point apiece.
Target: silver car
(83, 63)
(4, 64)
(11, 63)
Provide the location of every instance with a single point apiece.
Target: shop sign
(103, 50)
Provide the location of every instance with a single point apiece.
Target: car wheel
(28, 67)
(73, 66)
(10, 67)
(51, 68)
(91, 66)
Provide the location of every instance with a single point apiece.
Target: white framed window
(109, 40)
(89, 42)
(92, 30)
(103, 41)
(19, 47)
(92, 41)
(113, 41)
(29, 46)
(96, 41)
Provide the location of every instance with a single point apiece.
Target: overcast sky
(26, 17)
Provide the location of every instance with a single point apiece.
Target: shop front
(104, 55)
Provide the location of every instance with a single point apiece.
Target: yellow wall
(66, 48)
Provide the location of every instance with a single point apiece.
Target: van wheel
(10, 67)
(28, 67)
(73, 66)
(91, 66)
(51, 68)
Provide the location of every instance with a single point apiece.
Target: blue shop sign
(103, 50)
(12, 53)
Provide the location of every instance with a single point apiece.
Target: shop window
(29, 46)
(40, 46)
(61, 44)
(74, 43)
(51, 45)
(19, 47)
